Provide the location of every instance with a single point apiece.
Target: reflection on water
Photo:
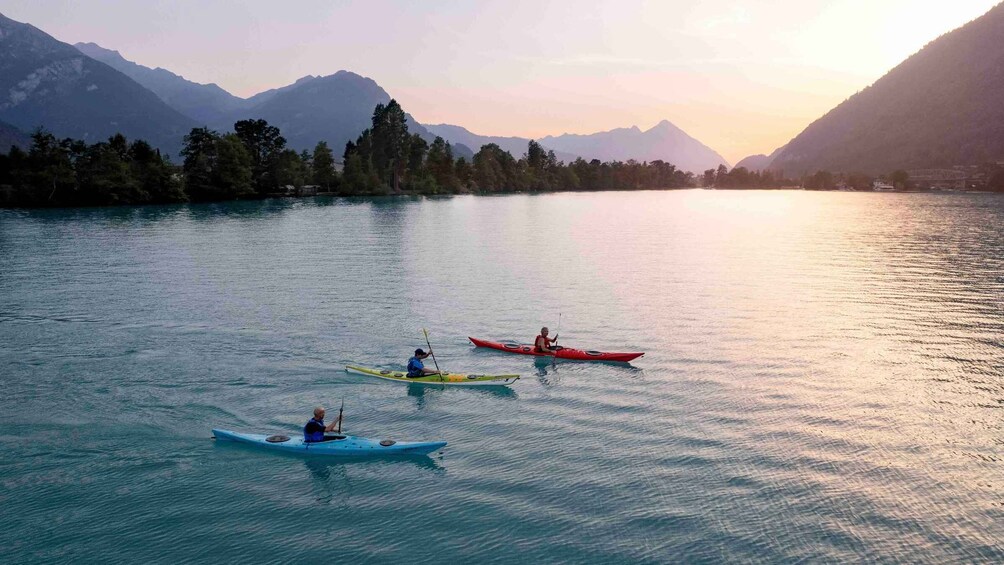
(421, 393)
(328, 468)
(823, 378)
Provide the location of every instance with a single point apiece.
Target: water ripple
(823, 379)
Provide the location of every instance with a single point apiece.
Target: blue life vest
(415, 367)
(313, 431)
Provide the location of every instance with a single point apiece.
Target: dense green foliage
(386, 159)
(72, 173)
(265, 145)
(741, 177)
(253, 162)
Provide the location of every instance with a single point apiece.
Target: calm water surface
(824, 379)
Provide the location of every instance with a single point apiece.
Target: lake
(823, 379)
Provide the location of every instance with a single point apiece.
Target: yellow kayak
(452, 379)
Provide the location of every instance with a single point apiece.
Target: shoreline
(333, 196)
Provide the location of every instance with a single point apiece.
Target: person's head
(421, 354)
(543, 331)
(319, 413)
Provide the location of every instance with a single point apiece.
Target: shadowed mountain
(266, 95)
(940, 107)
(204, 103)
(664, 141)
(11, 136)
(334, 108)
(516, 146)
(759, 162)
(45, 82)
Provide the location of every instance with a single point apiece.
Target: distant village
(959, 178)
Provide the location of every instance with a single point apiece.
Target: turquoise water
(824, 379)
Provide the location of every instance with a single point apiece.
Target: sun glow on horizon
(742, 77)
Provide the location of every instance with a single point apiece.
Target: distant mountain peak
(95, 47)
(665, 126)
(664, 141)
(201, 102)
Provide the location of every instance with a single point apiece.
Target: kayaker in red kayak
(543, 343)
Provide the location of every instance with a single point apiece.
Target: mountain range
(940, 107)
(204, 103)
(514, 145)
(47, 83)
(303, 111)
(663, 141)
(89, 92)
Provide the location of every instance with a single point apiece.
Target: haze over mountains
(334, 108)
(90, 92)
(664, 142)
(304, 112)
(514, 145)
(938, 108)
(632, 143)
(941, 107)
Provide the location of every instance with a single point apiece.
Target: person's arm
(331, 427)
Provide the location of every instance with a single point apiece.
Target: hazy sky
(743, 77)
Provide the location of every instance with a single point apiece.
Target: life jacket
(536, 343)
(415, 367)
(316, 434)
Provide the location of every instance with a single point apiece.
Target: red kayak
(563, 353)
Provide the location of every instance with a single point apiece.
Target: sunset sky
(743, 77)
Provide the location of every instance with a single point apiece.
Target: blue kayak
(341, 445)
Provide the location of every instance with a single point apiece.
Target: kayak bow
(447, 379)
(563, 353)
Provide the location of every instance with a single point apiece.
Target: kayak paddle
(557, 333)
(340, 410)
(433, 354)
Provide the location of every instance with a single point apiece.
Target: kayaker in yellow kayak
(415, 366)
(543, 343)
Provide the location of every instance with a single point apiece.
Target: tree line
(742, 178)
(253, 161)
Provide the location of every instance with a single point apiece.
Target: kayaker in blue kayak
(543, 343)
(415, 366)
(315, 428)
